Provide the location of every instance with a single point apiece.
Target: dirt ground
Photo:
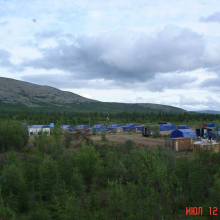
(136, 138)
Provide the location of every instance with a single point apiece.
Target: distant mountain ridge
(209, 112)
(16, 92)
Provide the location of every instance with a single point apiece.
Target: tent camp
(167, 127)
(67, 128)
(186, 133)
(128, 127)
(182, 127)
(98, 128)
(139, 128)
(82, 127)
(112, 126)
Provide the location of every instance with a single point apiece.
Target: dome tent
(98, 128)
(186, 133)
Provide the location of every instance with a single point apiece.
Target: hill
(209, 112)
(19, 94)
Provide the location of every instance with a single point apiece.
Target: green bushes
(14, 188)
(89, 164)
(103, 135)
(104, 182)
(129, 146)
(12, 136)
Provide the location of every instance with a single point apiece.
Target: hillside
(209, 112)
(15, 93)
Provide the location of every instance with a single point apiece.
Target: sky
(163, 52)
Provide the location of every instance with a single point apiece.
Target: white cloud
(111, 51)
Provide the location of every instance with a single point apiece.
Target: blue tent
(139, 128)
(210, 125)
(111, 127)
(167, 127)
(214, 134)
(86, 127)
(187, 133)
(39, 126)
(182, 127)
(68, 127)
(128, 127)
(98, 128)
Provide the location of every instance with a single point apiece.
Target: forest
(40, 116)
(46, 178)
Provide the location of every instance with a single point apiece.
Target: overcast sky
(164, 52)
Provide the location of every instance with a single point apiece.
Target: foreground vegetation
(48, 179)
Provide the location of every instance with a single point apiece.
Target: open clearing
(136, 138)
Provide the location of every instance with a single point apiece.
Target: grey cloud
(121, 58)
(210, 103)
(158, 84)
(5, 59)
(212, 84)
(47, 34)
(4, 23)
(172, 81)
(211, 18)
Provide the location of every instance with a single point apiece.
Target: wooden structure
(179, 144)
(208, 145)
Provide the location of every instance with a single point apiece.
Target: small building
(183, 133)
(128, 127)
(146, 131)
(182, 127)
(99, 128)
(112, 126)
(179, 144)
(203, 132)
(37, 129)
(68, 128)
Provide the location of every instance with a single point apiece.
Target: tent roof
(186, 130)
(39, 126)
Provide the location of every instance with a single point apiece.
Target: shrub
(89, 164)
(129, 146)
(68, 138)
(103, 135)
(6, 212)
(94, 132)
(48, 178)
(14, 187)
(12, 135)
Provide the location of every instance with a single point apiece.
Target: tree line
(39, 116)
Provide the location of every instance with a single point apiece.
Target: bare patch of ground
(136, 138)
